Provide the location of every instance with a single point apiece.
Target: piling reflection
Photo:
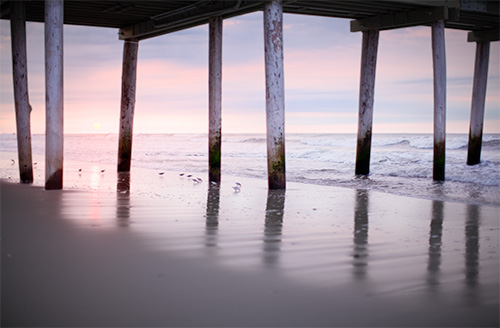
(123, 199)
(472, 252)
(212, 216)
(435, 241)
(273, 226)
(360, 250)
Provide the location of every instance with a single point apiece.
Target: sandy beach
(151, 250)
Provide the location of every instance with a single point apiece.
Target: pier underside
(144, 19)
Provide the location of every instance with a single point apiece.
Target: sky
(322, 68)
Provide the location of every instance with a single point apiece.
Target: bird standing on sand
(161, 173)
(237, 187)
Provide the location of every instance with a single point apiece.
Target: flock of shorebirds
(196, 180)
(190, 176)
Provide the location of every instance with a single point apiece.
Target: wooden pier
(139, 20)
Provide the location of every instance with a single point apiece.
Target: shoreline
(401, 164)
(91, 179)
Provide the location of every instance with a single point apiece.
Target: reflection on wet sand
(123, 199)
(435, 241)
(212, 216)
(164, 272)
(273, 226)
(472, 252)
(360, 250)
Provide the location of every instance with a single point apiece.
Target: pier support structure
(129, 72)
(366, 98)
(214, 98)
(478, 100)
(21, 97)
(54, 100)
(275, 93)
(439, 67)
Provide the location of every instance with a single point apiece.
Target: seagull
(102, 171)
(238, 184)
(79, 170)
(199, 179)
(182, 174)
(13, 161)
(189, 175)
(213, 183)
(161, 173)
(196, 180)
(35, 163)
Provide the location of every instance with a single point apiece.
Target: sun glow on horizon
(96, 126)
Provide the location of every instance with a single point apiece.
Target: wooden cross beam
(484, 35)
(405, 19)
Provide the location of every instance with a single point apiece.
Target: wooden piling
(129, 72)
(54, 100)
(478, 100)
(366, 98)
(275, 94)
(439, 67)
(21, 98)
(214, 98)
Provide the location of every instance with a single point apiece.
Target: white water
(400, 163)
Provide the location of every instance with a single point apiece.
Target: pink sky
(322, 60)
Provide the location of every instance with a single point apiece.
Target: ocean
(400, 163)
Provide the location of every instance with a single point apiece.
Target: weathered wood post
(366, 97)
(439, 67)
(129, 72)
(478, 100)
(21, 98)
(275, 93)
(214, 98)
(54, 88)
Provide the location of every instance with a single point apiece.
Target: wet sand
(145, 250)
